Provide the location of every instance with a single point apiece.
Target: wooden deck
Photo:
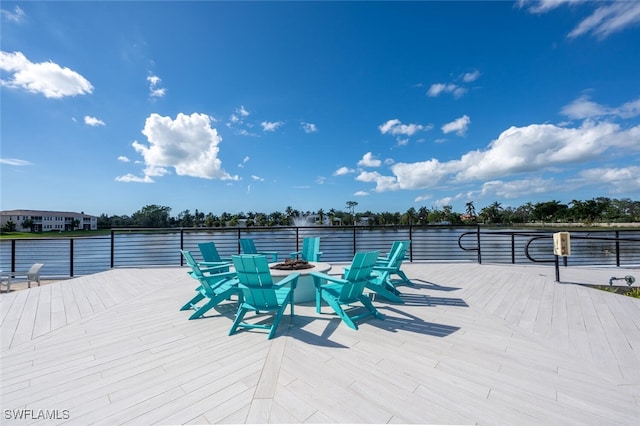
(473, 344)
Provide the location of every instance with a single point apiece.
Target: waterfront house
(48, 220)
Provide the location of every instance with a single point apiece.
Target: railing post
(478, 240)
(513, 248)
(618, 248)
(181, 246)
(13, 255)
(71, 257)
(557, 263)
(113, 248)
(411, 242)
(354, 239)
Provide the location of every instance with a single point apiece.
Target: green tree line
(599, 209)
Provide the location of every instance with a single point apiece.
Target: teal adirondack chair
(209, 253)
(385, 259)
(310, 250)
(247, 246)
(382, 282)
(339, 292)
(259, 293)
(215, 287)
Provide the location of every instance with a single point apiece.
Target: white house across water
(49, 220)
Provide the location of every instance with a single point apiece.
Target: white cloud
(309, 127)
(422, 198)
(239, 114)
(437, 89)
(270, 126)
(383, 183)
(93, 121)
(154, 90)
(422, 174)
(446, 201)
(132, 178)
(583, 108)
(459, 125)
(242, 111)
(124, 159)
(257, 178)
(470, 76)
(15, 162)
(343, 171)
(244, 161)
(608, 19)
(517, 150)
(624, 180)
(187, 144)
(17, 16)
(369, 161)
(360, 194)
(47, 78)
(395, 127)
(517, 188)
(539, 146)
(543, 6)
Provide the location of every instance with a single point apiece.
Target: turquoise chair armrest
(273, 254)
(384, 268)
(230, 274)
(209, 268)
(292, 279)
(215, 265)
(295, 254)
(318, 277)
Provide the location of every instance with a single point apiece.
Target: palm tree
(351, 205)
(471, 209)
(409, 216)
(492, 213)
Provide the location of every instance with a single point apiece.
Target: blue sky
(257, 106)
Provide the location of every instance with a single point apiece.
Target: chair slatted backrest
(399, 254)
(255, 280)
(196, 272)
(311, 249)
(248, 246)
(34, 270)
(358, 275)
(209, 252)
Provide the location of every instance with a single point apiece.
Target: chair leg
(405, 279)
(367, 303)
(382, 291)
(239, 317)
(191, 304)
(342, 314)
(290, 297)
(276, 319)
(318, 300)
(210, 304)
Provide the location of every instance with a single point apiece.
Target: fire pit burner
(292, 265)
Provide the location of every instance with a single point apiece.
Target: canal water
(65, 257)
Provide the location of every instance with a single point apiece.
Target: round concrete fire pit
(305, 291)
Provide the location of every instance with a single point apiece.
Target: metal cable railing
(135, 247)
